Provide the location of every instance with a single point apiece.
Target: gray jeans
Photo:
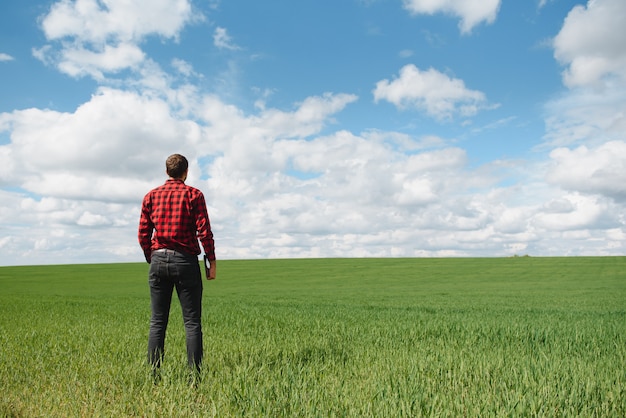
(168, 270)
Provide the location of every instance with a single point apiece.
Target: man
(178, 216)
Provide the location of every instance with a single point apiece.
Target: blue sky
(359, 128)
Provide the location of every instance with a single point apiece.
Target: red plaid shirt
(178, 216)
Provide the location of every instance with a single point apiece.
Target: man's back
(177, 214)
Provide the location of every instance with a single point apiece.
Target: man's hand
(212, 270)
(209, 268)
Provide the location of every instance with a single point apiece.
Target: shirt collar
(174, 180)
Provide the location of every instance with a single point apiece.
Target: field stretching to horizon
(520, 336)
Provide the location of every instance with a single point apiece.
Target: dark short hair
(176, 165)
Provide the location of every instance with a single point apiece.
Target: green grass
(518, 336)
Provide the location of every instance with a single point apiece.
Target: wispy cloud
(223, 40)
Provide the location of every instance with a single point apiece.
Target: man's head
(176, 166)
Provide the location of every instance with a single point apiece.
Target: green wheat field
(520, 336)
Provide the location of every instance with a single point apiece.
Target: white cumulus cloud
(471, 12)
(431, 91)
(95, 37)
(104, 150)
(591, 43)
(600, 170)
(99, 22)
